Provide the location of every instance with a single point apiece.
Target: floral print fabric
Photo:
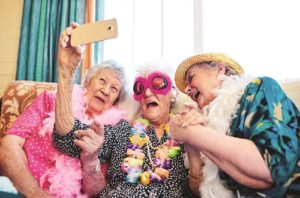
(113, 152)
(271, 120)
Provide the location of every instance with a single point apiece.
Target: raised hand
(90, 141)
(184, 123)
(69, 57)
(177, 132)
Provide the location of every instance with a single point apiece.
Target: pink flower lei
(133, 163)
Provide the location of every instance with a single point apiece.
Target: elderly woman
(249, 130)
(143, 159)
(28, 156)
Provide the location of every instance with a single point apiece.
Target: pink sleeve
(32, 118)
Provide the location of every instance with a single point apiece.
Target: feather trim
(110, 117)
(219, 114)
(64, 179)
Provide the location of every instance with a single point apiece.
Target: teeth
(151, 104)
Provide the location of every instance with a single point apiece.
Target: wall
(10, 24)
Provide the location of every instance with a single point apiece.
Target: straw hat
(210, 57)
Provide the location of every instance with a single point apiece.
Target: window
(262, 35)
(150, 30)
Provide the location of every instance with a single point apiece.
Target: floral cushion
(18, 95)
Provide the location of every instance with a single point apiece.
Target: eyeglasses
(157, 82)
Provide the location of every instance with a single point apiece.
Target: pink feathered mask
(157, 82)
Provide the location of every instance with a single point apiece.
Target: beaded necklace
(133, 163)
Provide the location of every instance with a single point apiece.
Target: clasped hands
(182, 123)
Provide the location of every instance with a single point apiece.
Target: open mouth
(100, 99)
(195, 95)
(151, 104)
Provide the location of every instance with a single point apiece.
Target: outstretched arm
(230, 154)
(68, 59)
(238, 157)
(89, 142)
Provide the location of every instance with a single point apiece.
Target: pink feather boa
(65, 178)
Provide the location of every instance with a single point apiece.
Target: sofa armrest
(18, 95)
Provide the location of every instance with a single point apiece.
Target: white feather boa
(219, 114)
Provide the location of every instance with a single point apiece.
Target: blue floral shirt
(271, 120)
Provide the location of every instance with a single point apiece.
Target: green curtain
(42, 23)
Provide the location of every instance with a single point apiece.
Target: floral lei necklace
(133, 163)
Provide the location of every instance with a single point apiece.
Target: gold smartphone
(93, 32)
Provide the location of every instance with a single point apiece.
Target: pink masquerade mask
(157, 82)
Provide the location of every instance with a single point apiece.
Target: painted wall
(10, 24)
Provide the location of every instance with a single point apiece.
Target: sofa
(18, 95)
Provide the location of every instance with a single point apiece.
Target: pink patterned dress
(57, 173)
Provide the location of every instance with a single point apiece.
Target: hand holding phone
(93, 32)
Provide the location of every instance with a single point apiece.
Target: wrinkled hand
(190, 116)
(184, 123)
(90, 141)
(69, 57)
(178, 133)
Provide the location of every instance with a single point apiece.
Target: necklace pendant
(161, 172)
(139, 138)
(145, 178)
(174, 151)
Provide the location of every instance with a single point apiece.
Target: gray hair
(212, 64)
(112, 66)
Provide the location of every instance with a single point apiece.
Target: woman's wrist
(91, 172)
(91, 167)
(65, 76)
(194, 183)
(195, 176)
(67, 68)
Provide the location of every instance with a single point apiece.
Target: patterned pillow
(18, 95)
